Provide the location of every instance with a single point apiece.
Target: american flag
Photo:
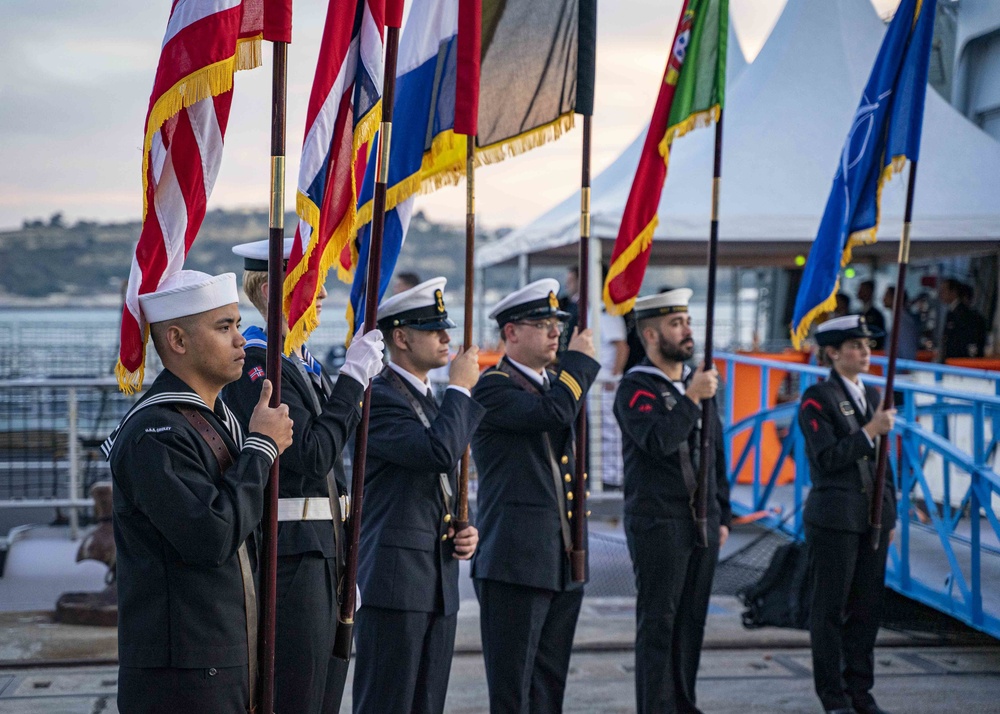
(206, 42)
(343, 114)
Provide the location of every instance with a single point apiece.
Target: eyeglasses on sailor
(548, 325)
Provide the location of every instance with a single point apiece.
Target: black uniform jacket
(404, 563)
(965, 332)
(656, 420)
(178, 524)
(520, 528)
(841, 459)
(318, 439)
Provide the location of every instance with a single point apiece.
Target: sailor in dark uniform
(842, 421)
(184, 510)
(409, 551)
(659, 408)
(311, 497)
(524, 452)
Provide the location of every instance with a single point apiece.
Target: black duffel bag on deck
(782, 595)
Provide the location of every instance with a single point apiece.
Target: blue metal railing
(948, 514)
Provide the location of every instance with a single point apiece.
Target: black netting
(611, 576)
(737, 571)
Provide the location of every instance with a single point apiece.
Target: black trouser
(402, 661)
(673, 577)
(307, 678)
(848, 583)
(167, 690)
(527, 639)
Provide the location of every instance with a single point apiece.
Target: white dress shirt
(539, 378)
(423, 387)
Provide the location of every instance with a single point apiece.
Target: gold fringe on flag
(444, 163)
(310, 213)
(639, 244)
(130, 381)
(858, 238)
(697, 120)
(522, 143)
(210, 81)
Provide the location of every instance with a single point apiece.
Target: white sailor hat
(533, 301)
(666, 303)
(421, 307)
(255, 254)
(188, 292)
(834, 332)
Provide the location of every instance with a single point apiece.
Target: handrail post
(907, 468)
(731, 390)
(979, 455)
(74, 462)
(765, 386)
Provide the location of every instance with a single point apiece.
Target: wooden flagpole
(708, 405)
(578, 556)
(875, 521)
(466, 120)
(462, 502)
(345, 623)
(275, 278)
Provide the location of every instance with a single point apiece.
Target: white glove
(364, 357)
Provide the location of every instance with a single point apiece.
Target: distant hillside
(86, 263)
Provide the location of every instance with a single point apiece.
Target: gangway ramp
(946, 551)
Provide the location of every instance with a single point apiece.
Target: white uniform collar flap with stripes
(184, 398)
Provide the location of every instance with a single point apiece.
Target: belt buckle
(305, 509)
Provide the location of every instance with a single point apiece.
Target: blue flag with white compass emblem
(884, 135)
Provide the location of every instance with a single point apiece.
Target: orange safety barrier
(990, 363)
(489, 358)
(746, 402)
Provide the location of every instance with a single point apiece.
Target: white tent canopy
(786, 118)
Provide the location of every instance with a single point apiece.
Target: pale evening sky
(77, 77)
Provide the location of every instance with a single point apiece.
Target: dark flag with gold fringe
(528, 91)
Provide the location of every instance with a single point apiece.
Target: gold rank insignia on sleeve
(574, 386)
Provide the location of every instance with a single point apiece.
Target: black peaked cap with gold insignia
(421, 307)
(534, 301)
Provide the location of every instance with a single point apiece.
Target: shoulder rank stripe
(812, 403)
(496, 371)
(574, 386)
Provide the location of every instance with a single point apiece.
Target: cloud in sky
(77, 77)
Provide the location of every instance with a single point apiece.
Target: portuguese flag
(691, 96)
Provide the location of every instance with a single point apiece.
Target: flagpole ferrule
(277, 208)
(470, 181)
(585, 213)
(384, 143)
(904, 244)
(716, 192)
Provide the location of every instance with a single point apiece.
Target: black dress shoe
(872, 708)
